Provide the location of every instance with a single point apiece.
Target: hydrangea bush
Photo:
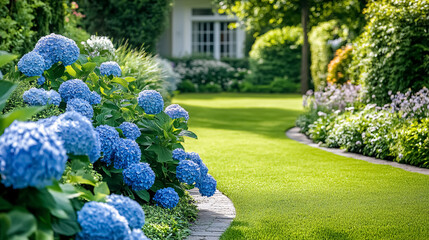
(108, 136)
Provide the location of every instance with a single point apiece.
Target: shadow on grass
(211, 96)
(270, 122)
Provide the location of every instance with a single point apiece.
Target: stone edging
(294, 134)
(215, 215)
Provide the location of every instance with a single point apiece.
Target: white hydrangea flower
(99, 46)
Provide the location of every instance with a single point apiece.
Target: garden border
(294, 134)
(214, 217)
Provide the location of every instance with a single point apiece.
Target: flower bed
(97, 149)
(398, 131)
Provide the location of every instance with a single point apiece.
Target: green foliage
(22, 23)
(412, 143)
(321, 50)
(187, 86)
(162, 223)
(137, 63)
(284, 85)
(140, 22)
(237, 62)
(277, 53)
(392, 53)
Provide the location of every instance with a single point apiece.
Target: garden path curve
(215, 215)
(294, 134)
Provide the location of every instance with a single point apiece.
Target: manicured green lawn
(282, 189)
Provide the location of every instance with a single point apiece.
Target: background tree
(260, 15)
(141, 22)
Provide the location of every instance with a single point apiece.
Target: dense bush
(397, 131)
(140, 22)
(114, 137)
(277, 53)
(322, 48)
(392, 53)
(412, 143)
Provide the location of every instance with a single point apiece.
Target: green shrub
(319, 130)
(23, 22)
(306, 119)
(140, 22)
(162, 223)
(187, 86)
(277, 53)
(392, 53)
(381, 135)
(237, 62)
(210, 88)
(412, 144)
(321, 49)
(284, 85)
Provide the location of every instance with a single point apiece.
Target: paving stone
(215, 215)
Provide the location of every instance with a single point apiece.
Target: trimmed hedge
(277, 53)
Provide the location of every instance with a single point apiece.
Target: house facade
(196, 28)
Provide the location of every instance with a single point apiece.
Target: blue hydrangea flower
(100, 221)
(151, 101)
(41, 80)
(206, 185)
(95, 153)
(127, 152)
(47, 122)
(54, 48)
(110, 68)
(179, 154)
(130, 130)
(31, 64)
(30, 156)
(194, 157)
(138, 234)
(81, 106)
(69, 52)
(175, 111)
(74, 88)
(95, 98)
(139, 176)
(54, 97)
(109, 137)
(130, 209)
(35, 97)
(166, 197)
(188, 172)
(77, 133)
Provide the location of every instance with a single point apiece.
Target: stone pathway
(294, 134)
(215, 215)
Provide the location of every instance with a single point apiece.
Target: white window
(211, 34)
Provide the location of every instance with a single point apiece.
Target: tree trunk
(305, 47)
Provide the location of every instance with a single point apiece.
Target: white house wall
(177, 40)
